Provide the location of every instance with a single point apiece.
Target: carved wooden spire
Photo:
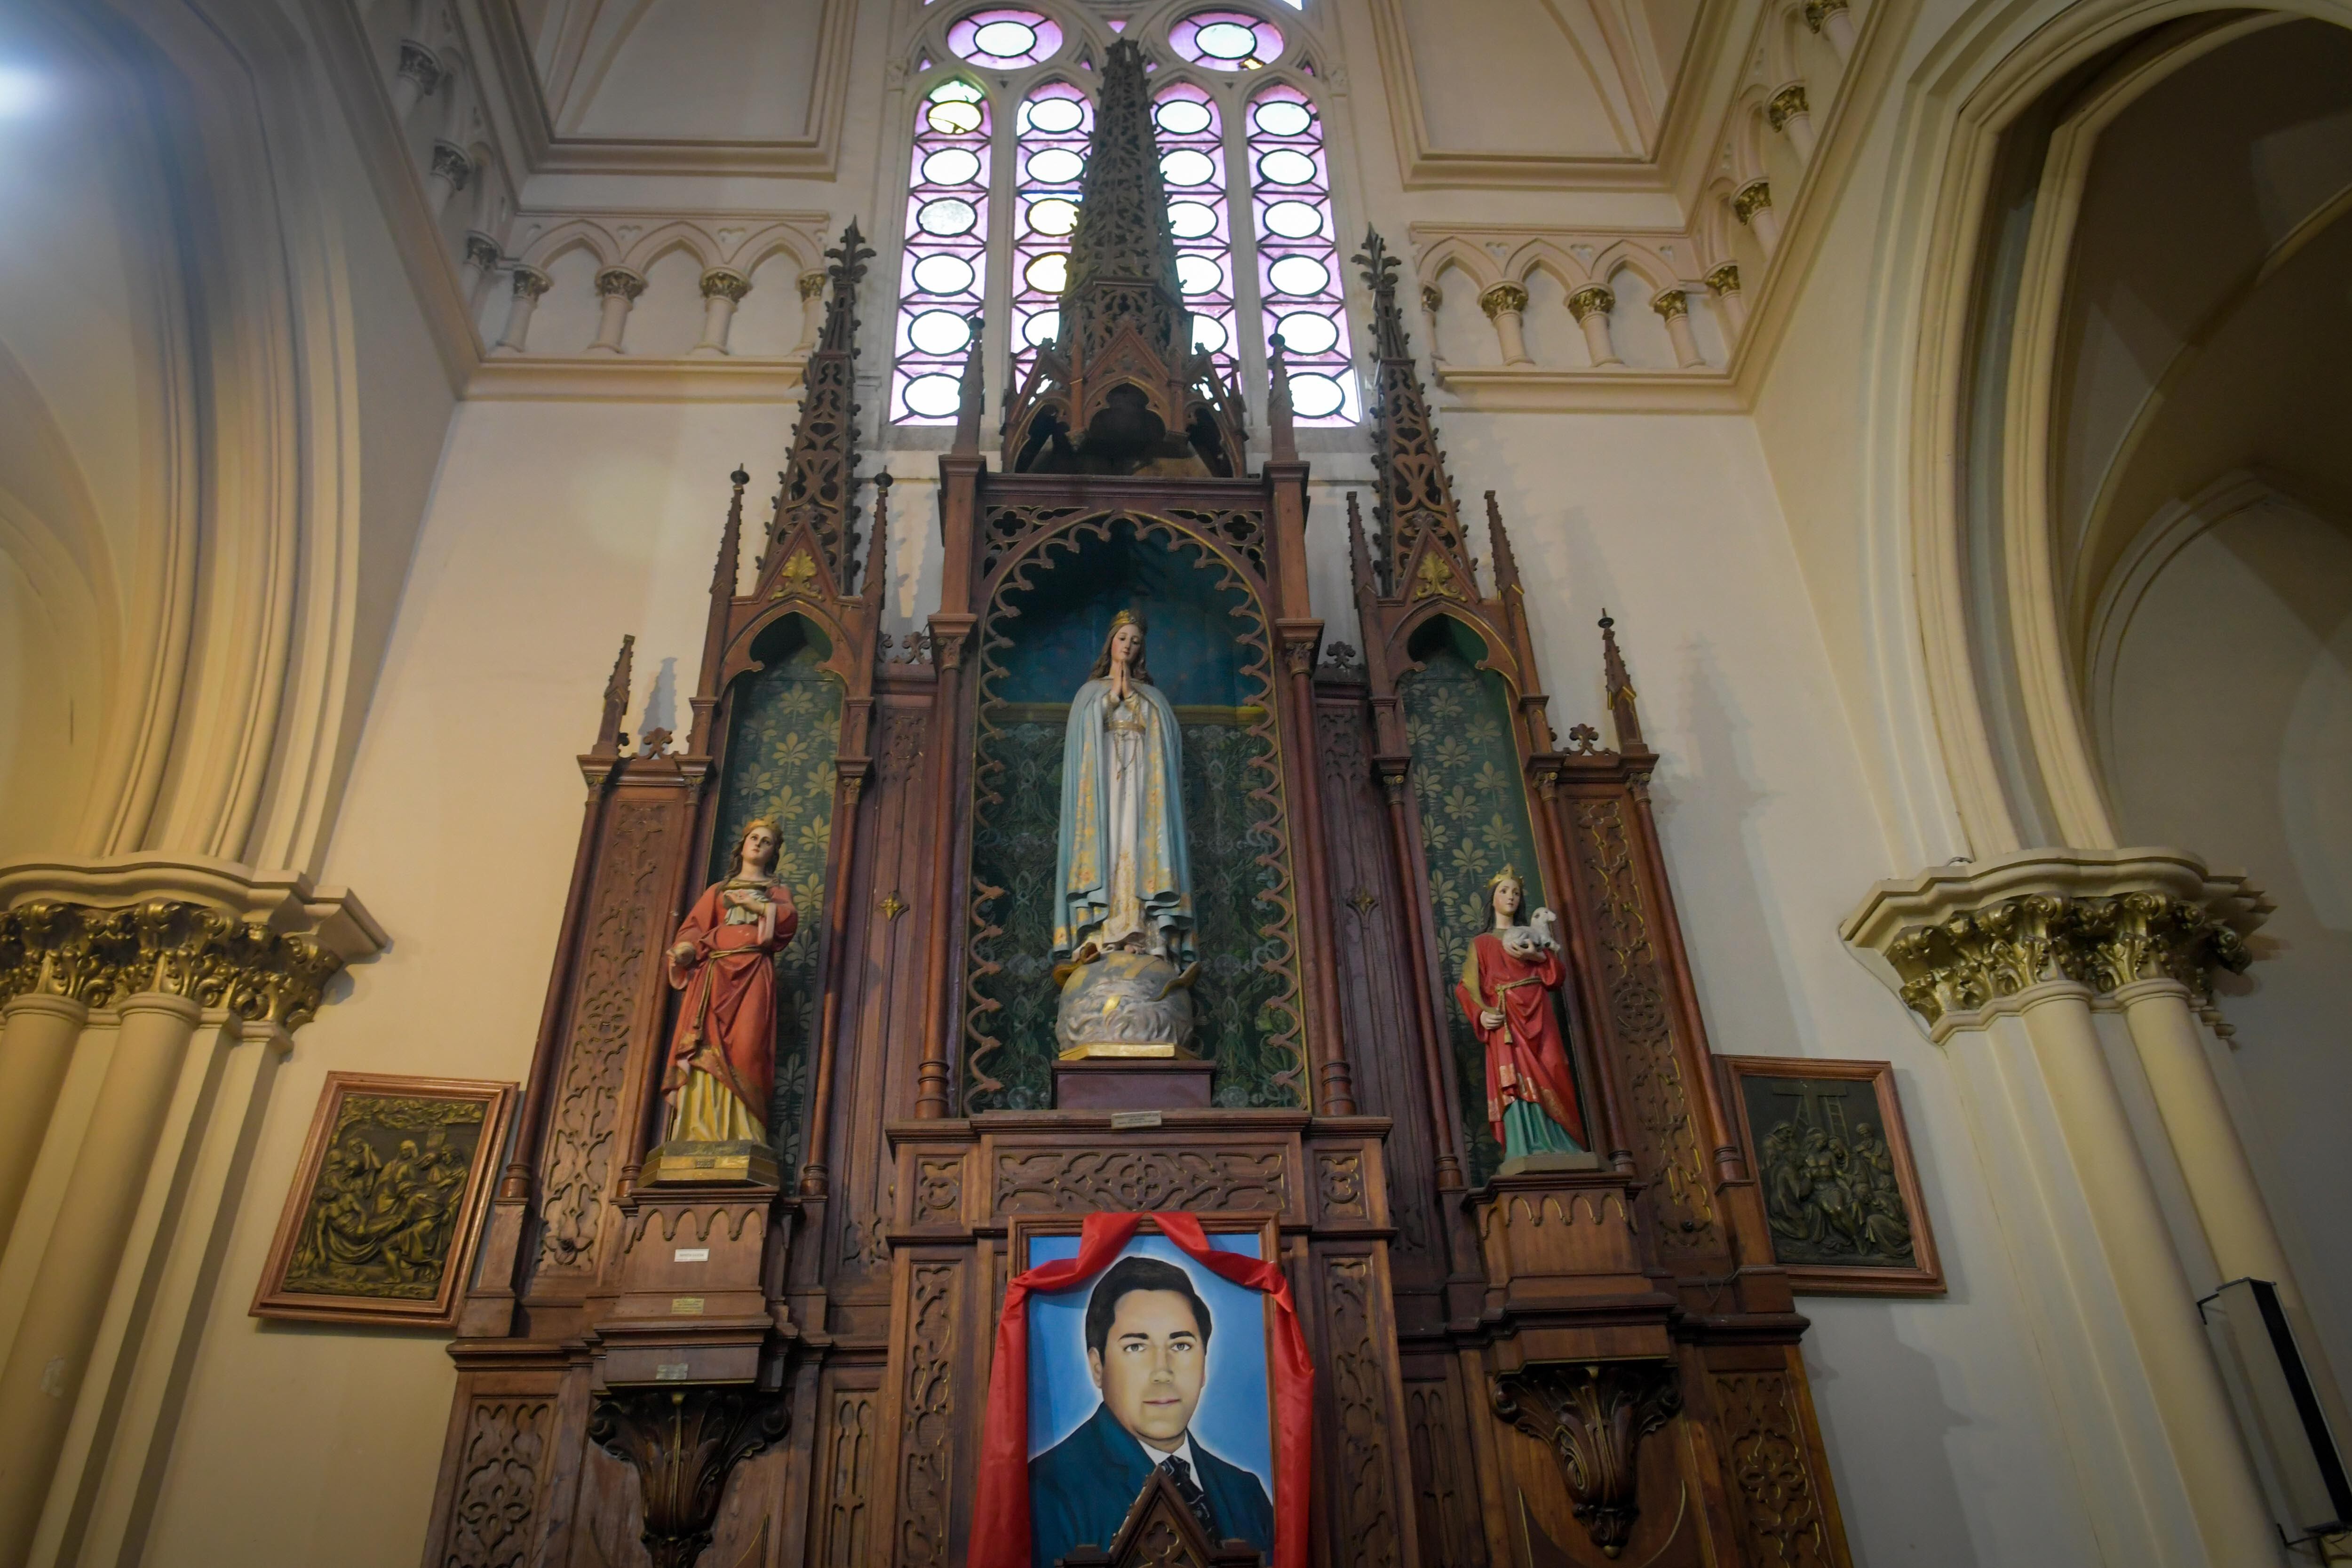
(1416, 498)
(723, 578)
(1122, 391)
(1620, 690)
(819, 484)
(610, 739)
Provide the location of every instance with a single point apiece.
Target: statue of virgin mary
(1123, 881)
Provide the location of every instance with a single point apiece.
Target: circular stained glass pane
(1186, 167)
(1226, 41)
(938, 332)
(1198, 274)
(934, 397)
(1297, 274)
(1282, 117)
(1040, 328)
(1004, 38)
(1054, 116)
(1295, 220)
(1305, 332)
(1049, 274)
(1057, 167)
(1207, 334)
(1191, 220)
(1053, 215)
(950, 167)
(946, 216)
(1286, 167)
(955, 117)
(1315, 396)
(1183, 117)
(944, 275)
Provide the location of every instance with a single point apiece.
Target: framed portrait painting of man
(1167, 1349)
(387, 1205)
(1832, 1163)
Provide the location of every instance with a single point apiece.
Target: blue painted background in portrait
(1235, 1419)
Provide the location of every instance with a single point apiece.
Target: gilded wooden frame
(1819, 1278)
(405, 1236)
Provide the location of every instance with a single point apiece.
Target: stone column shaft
(529, 283)
(43, 1375)
(617, 289)
(2159, 1306)
(722, 290)
(37, 1034)
(1591, 306)
(1506, 305)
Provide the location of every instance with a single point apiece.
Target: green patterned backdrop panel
(1208, 652)
(1241, 971)
(781, 745)
(1474, 822)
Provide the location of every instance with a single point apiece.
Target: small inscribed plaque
(387, 1205)
(1826, 1144)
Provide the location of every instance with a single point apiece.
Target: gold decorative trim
(1590, 297)
(1501, 298)
(1725, 279)
(1751, 198)
(170, 946)
(1786, 105)
(1670, 303)
(1972, 960)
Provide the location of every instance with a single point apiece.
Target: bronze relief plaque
(388, 1203)
(1832, 1164)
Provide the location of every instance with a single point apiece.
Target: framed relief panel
(1832, 1164)
(388, 1203)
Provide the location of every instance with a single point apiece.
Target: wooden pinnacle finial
(610, 739)
(1620, 690)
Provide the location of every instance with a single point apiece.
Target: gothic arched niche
(1208, 652)
(783, 730)
(1472, 799)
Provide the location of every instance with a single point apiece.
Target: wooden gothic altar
(1567, 1365)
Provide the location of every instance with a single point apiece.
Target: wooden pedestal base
(1133, 1083)
(701, 1266)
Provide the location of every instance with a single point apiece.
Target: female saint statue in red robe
(1507, 979)
(722, 1060)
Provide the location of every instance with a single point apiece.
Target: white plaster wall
(551, 531)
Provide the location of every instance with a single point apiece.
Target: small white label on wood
(686, 1306)
(670, 1371)
(693, 1255)
(1127, 1120)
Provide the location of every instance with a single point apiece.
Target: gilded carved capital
(812, 284)
(1593, 1418)
(450, 164)
(1751, 199)
(1503, 297)
(1432, 297)
(721, 283)
(96, 956)
(1961, 942)
(421, 66)
(1786, 105)
(481, 251)
(620, 280)
(1819, 11)
(529, 282)
(1670, 303)
(1590, 297)
(1725, 279)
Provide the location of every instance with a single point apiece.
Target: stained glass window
(1303, 289)
(1055, 122)
(1004, 38)
(1249, 200)
(1192, 167)
(1227, 40)
(944, 275)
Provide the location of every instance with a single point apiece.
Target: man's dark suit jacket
(1081, 1488)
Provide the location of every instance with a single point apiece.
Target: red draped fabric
(999, 1519)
